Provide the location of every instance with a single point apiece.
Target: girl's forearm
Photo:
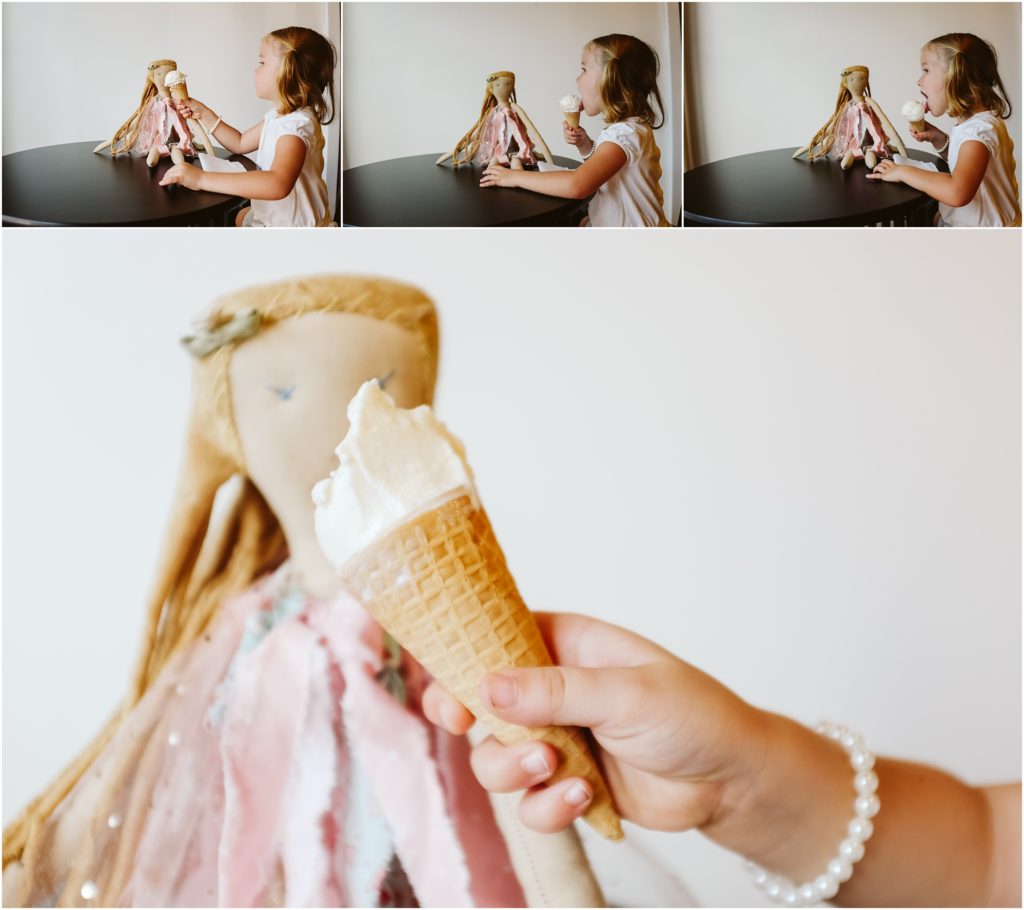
(565, 184)
(251, 185)
(226, 135)
(934, 841)
(946, 188)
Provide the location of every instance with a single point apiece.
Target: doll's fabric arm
(532, 132)
(890, 130)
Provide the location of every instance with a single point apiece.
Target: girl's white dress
(997, 202)
(307, 205)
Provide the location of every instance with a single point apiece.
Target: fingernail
(501, 690)
(448, 717)
(577, 795)
(535, 763)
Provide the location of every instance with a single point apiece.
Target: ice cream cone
(439, 585)
(918, 125)
(572, 118)
(179, 91)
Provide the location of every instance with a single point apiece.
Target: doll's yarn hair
(128, 132)
(825, 138)
(972, 75)
(629, 79)
(308, 61)
(205, 561)
(467, 147)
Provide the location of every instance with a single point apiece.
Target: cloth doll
(156, 129)
(858, 128)
(503, 134)
(270, 750)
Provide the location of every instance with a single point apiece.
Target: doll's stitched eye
(285, 393)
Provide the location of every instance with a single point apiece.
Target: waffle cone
(439, 585)
(918, 125)
(572, 118)
(179, 91)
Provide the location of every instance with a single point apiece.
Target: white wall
(766, 75)
(47, 45)
(414, 72)
(813, 496)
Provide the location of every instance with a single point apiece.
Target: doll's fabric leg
(177, 155)
(153, 157)
(515, 163)
(847, 161)
(870, 158)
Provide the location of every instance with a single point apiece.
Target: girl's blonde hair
(128, 132)
(308, 60)
(467, 147)
(629, 78)
(825, 138)
(972, 75)
(202, 564)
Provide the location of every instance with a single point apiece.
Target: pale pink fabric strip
(392, 744)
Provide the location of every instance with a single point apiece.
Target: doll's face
(266, 71)
(933, 82)
(502, 88)
(158, 75)
(856, 82)
(588, 83)
(291, 385)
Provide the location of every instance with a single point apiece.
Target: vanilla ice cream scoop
(914, 112)
(174, 77)
(392, 463)
(571, 103)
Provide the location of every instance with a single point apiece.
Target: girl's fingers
(505, 769)
(444, 711)
(554, 808)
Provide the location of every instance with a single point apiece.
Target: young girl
(623, 167)
(295, 66)
(959, 77)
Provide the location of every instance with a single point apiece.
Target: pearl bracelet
(851, 850)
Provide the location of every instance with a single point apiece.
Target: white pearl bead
(853, 850)
(89, 891)
(860, 829)
(773, 887)
(114, 821)
(826, 886)
(823, 728)
(840, 869)
(862, 760)
(808, 894)
(847, 739)
(866, 806)
(760, 876)
(835, 733)
(866, 782)
(788, 896)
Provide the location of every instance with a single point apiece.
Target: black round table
(774, 189)
(68, 185)
(416, 192)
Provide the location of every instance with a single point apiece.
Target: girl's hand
(930, 133)
(498, 175)
(888, 171)
(576, 135)
(676, 746)
(184, 175)
(191, 109)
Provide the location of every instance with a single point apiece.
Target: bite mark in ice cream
(914, 110)
(571, 104)
(392, 463)
(174, 77)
